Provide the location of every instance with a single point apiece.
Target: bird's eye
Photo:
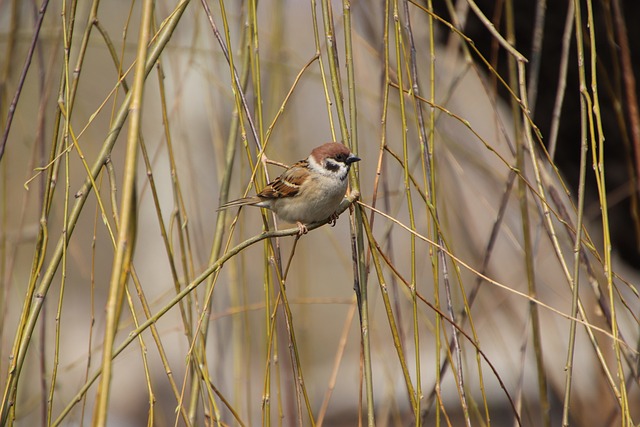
(341, 157)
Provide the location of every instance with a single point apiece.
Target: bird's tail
(245, 201)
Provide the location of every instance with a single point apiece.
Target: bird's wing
(288, 184)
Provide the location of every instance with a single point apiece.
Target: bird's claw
(302, 229)
(333, 218)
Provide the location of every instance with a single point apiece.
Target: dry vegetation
(464, 287)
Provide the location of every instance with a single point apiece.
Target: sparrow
(309, 191)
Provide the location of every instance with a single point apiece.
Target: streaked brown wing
(288, 184)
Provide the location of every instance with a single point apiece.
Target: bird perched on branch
(310, 190)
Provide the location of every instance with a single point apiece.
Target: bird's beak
(352, 159)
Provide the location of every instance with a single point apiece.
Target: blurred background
(487, 275)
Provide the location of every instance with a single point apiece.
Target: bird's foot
(333, 218)
(302, 229)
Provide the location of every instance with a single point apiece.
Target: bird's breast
(315, 202)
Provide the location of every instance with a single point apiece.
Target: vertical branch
(576, 267)
(516, 77)
(48, 404)
(327, 97)
(126, 234)
(399, 48)
(597, 150)
(23, 76)
(334, 69)
(536, 50)
(562, 81)
(633, 112)
(360, 274)
(33, 306)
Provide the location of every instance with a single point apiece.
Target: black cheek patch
(331, 166)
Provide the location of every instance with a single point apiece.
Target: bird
(309, 191)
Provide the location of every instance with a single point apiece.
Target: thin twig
(497, 36)
(211, 269)
(23, 77)
(633, 112)
(236, 80)
(536, 53)
(562, 81)
(22, 343)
